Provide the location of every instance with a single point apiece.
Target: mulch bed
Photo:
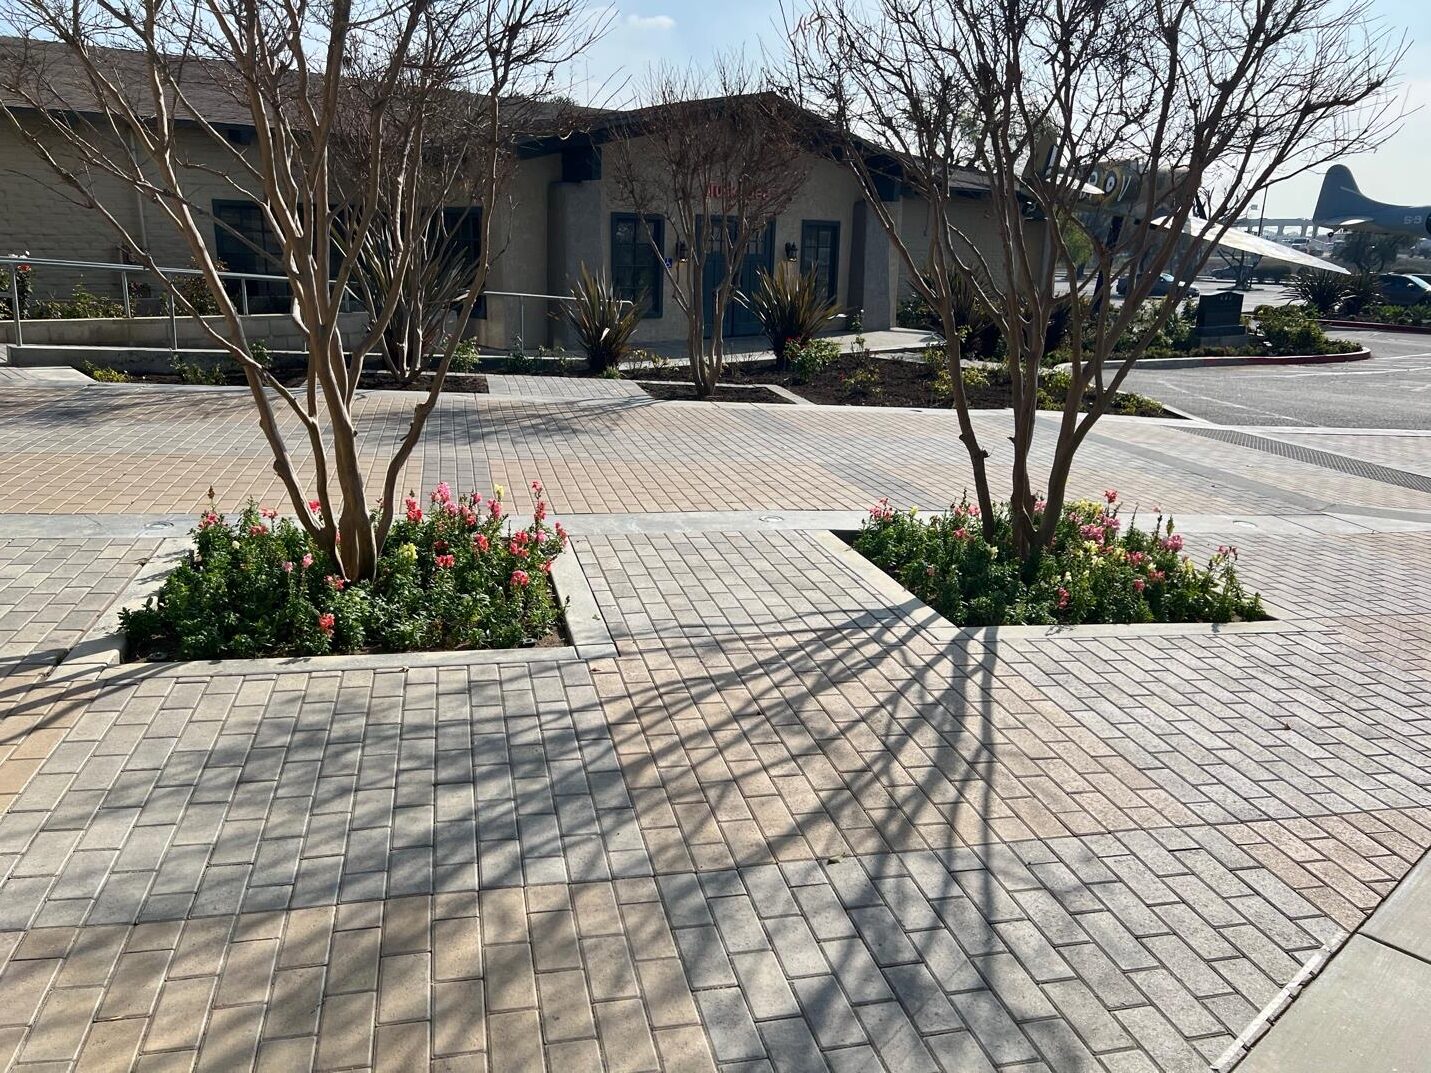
(847, 381)
(685, 391)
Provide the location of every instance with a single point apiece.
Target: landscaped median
(1095, 570)
(1277, 335)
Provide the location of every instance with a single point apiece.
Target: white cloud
(650, 22)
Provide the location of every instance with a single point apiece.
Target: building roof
(52, 76)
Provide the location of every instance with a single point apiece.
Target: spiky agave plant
(791, 308)
(603, 323)
(1322, 292)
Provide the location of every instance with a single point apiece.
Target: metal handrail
(16, 260)
(522, 305)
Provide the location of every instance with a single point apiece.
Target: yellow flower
(500, 491)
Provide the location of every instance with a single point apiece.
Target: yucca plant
(603, 323)
(791, 308)
(1360, 293)
(1321, 292)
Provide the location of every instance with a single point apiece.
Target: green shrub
(465, 358)
(104, 374)
(80, 305)
(791, 309)
(863, 381)
(194, 372)
(810, 358)
(453, 576)
(1094, 571)
(1291, 330)
(603, 324)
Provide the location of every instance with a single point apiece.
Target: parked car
(1403, 289)
(1273, 273)
(1164, 284)
(1424, 277)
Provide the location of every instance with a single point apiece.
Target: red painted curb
(1376, 326)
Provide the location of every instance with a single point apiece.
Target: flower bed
(457, 575)
(1096, 570)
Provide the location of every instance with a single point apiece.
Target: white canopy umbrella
(1246, 242)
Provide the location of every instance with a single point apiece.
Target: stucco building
(562, 211)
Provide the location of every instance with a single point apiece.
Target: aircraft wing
(1349, 221)
(1234, 239)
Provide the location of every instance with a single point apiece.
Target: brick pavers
(791, 825)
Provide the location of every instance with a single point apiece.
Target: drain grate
(1354, 467)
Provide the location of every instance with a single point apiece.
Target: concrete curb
(1376, 326)
(104, 645)
(923, 616)
(1231, 360)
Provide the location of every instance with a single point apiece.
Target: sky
(679, 31)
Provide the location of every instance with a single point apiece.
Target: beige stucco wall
(829, 194)
(46, 218)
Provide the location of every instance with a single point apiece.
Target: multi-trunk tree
(716, 158)
(1143, 121)
(357, 121)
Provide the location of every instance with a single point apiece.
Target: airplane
(1342, 205)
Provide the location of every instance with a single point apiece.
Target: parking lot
(1390, 390)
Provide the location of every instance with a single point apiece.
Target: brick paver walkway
(792, 825)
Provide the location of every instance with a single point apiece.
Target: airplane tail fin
(1340, 201)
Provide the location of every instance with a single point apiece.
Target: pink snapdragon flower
(520, 578)
(445, 562)
(480, 542)
(325, 622)
(288, 566)
(307, 560)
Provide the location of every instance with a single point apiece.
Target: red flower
(325, 622)
(257, 530)
(520, 578)
(315, 505)
(445, 562)
(480, 542)
(334, 582)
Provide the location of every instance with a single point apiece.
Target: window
(820, 250)
(637, 272)
(244, 243)
(463, 228)
(462, 231)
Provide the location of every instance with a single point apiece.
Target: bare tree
(149, 96)
(717, 157)
(1143, 121)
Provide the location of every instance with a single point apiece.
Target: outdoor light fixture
(792, 251)
(680, 252)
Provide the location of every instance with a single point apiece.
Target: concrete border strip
(103, 644)
(1267, 1016)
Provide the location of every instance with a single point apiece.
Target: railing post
(173, 330)
(124, 288)
(15, 303)
(522, 321)
(243, 295)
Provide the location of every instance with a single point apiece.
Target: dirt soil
(679, 389)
